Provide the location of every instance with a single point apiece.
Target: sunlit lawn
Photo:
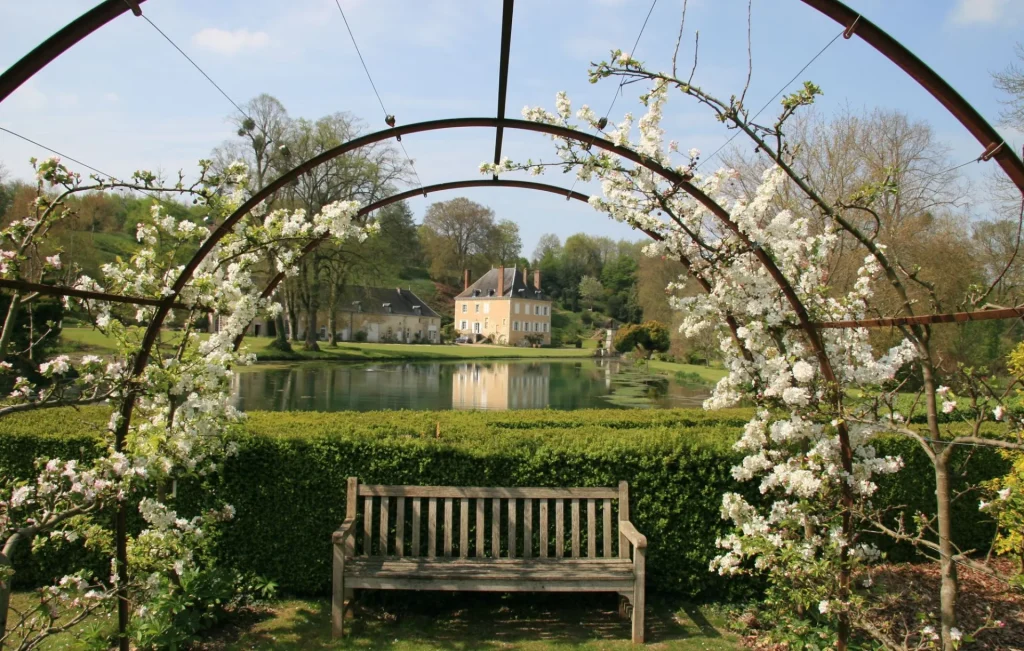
(708, 373)
(90, 341)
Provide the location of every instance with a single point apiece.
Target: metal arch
(889, 47)
(60, 42)
(919, 71)
(438, 187)
(409, 194)
(506, 48)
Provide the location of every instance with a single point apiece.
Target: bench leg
(640, 575)
(338, 593)
(624, 606)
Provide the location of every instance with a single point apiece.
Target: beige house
(503, 306)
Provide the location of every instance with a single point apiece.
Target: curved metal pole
(854, 22)
(918, 70)
(59, 43)
(478, 183)
(409, 194)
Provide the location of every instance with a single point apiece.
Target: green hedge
(288, 480)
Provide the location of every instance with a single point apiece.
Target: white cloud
(111, 97)
(968, 12)
(229, 43)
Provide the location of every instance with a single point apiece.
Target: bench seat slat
(381, 490)
(504, 569)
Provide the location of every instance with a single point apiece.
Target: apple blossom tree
(764, 276)
(169, 390)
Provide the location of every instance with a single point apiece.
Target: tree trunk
(310, 343)
(293, 316)
(5, 596)
(332, 316)
(947, 566)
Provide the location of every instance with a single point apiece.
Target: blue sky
(123, 99)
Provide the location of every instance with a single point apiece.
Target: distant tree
(647, 338)
(400, 234)
(1011, 82)
(591, 290)
(506, 243)
(453, 233)
(548, 243)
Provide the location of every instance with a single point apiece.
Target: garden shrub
(288, 479)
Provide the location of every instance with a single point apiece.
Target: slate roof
(372, 300)
(487, 285)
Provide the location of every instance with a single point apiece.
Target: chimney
(536, 279)
(465, 279)
(501, 281)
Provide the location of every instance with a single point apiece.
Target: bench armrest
(627, 529)
(346, 529)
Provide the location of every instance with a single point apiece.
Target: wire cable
(78, 162)
(54, 151)
(618, 91)
(194, 64)
(775, 96)
(366, 69)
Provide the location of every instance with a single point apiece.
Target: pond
(496, 385)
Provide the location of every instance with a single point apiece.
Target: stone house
(504, 306)
(383, 314)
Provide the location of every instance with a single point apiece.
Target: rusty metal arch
(855, 24)
(424, 191)
(92, 20)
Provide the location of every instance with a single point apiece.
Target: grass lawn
(435, 620)
(411, 621)
(90, 341)
(710, 374)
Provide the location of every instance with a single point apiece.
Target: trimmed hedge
(288, 480)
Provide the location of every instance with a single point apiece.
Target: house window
(486, 320)
(545, 328)
(515, 325)
(536, 310)
(476, 308)
(487, 308)
(516, 306)
(463, 326)
(476, 327)
(464, 307)
(545, 310)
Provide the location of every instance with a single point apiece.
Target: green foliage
(32, 322)
(288, 480)
(647, 338)
(912, 491)
(1005, 501)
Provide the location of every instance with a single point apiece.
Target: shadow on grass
(462, 621)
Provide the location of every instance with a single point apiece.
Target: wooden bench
(489, 539)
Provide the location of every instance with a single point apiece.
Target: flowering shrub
(764, 278)
(175, 389)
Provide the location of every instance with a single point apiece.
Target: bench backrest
(470, 522)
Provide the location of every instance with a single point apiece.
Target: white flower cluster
(182, 416)
(765, 271)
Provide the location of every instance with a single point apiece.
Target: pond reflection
(497, 385)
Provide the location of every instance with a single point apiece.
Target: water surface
(495, 385)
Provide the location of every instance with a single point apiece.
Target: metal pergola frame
(854, 24)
